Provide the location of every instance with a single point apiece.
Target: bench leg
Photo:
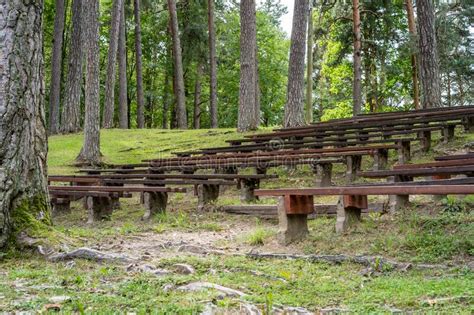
(404, 152)
(324, 172)
(100, 208)
(247, 189)
(381, 160)
(155, 202)
(398, 202)
(349, 209)
(261, 170)
(291, 227)
(206, 195)
(353, 164)
(468, 123)
(425, 140)
(448, 133)
(61, 207)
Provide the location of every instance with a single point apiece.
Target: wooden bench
(99, 199)
(207, 186)
(296, 204)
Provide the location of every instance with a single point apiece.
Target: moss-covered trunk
(23, 145)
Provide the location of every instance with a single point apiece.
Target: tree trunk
(357, 92)
(309, 73)
(294, 109)
(70, 115)
(138, 56)
(56, 60)
(212, 64)
(90, 153)
(414, 61)
(122, 61)
(166, 100)
(448, 81)
(178, 68)
(429, 67)
(108, 119)
(248, 42)
(23, 141)
(257, 90)
(197, 98)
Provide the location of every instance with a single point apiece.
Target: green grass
(258, 236)
(99, 288)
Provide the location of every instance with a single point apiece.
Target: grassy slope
(420, 235)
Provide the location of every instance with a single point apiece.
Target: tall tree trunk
(90, 153)
(294, 109)
(70, 115)
(257, 90)
(357, 91)
(108, 119)
(178, 68)
(414, 61)
(23, 143)
(212, 64)
(166, 101)
(429, 67)
(309, 73)
(55, 92)
(122, 61)
(248, 42)
(138, 64)
(448, 81)
(197, 98)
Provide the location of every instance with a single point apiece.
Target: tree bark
(429, 63)
(309, 73)
(357, 91)
(257, 89)
(90, 153)
(122, 61)
(23, 141)
(248, 42)
(166, 101)
(55, 91)
(414, 61)
(70, 115)
(181, 116)
(212, 64)
(197, 98)
(108, 119)
(138, 64)
(294, 109)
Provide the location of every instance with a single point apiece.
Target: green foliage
(258, 236)
(452, 204)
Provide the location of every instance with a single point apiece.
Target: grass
(423, 233)
(99, 288)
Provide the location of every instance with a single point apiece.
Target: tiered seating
(296, 204)
(319, 145)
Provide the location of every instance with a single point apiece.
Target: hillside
(436, 238)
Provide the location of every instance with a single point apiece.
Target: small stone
(184, 269)
(59, 299)
(168, 287)
(52, 307)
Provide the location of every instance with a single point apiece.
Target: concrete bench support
(99, 208)
(60, 206)
(293, 213)
(397, 202)
(349, 210)
(155, 202)
(448, 133)
(468, 123)
(247, 189)
(425, 140)
(261, 170)
(404, 153)
(353, 164)
(207, 194)
(381, 160)
(324, 174)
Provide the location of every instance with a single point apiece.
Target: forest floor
(153, 263)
